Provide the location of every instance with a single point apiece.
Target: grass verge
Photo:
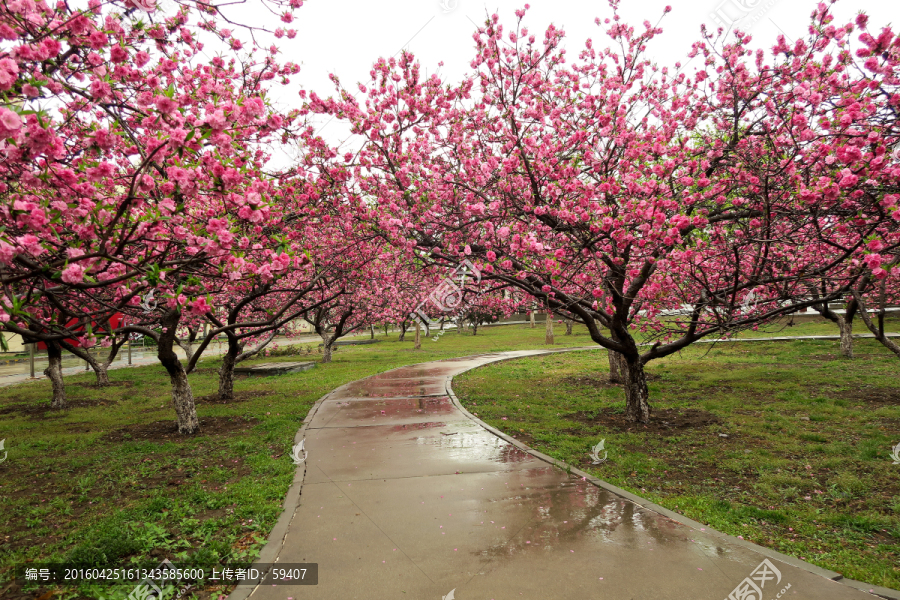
(783, 443)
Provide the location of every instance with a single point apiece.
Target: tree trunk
(877, 329)
(54, 373)
(182, 396)
(226, 371)
(548, 329)
(569, 323)
(531, 318)
(327, 347)
(637, 395)
(100, 367)
(402, 331)
(846, 328)
(418, 336)
(616, 367)
(100, 370)
(372, 332)
(474, 327)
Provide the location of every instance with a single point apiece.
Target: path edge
(275, 541)
(882, 592)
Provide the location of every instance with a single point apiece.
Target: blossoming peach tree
(639, 202)
(132, 161)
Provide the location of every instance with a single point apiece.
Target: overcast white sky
(346, 36)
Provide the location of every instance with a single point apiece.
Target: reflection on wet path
(404, 496)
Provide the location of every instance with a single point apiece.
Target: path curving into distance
(404, 494)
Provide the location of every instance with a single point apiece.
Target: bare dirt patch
(599, 381)
(865, 395)
(666, 421)
(94, 386)
(159, 431)
(43, 410)
(238, 397)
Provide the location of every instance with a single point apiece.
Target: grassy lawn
(783, 443)
(106, 483)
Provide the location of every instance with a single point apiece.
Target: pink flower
(9, 71)
(848, 179)
(200, 306)
(873, 261)
(73, 274)
(490, 255)
(165, 105)
(503, 232)
(147, 5)
(216, 120)
(118, 54)
(31, 244)
(7, 253)
(10, 120)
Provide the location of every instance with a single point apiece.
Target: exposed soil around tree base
(168, 430)
(665, 421)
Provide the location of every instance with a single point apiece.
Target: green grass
(804, 469)
(83, 485)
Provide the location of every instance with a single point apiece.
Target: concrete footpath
(404, 494)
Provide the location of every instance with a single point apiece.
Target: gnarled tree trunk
(569, 323)
(182, 396)
(616, 363)
(531, 318)
(845, 326)
(226, 371)
(54, 373)
(548, 329)
(402, 331)
(637, 395)
(616, 367)
(418, 343)
(327, 347)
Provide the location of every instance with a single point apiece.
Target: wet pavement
(404, 496)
